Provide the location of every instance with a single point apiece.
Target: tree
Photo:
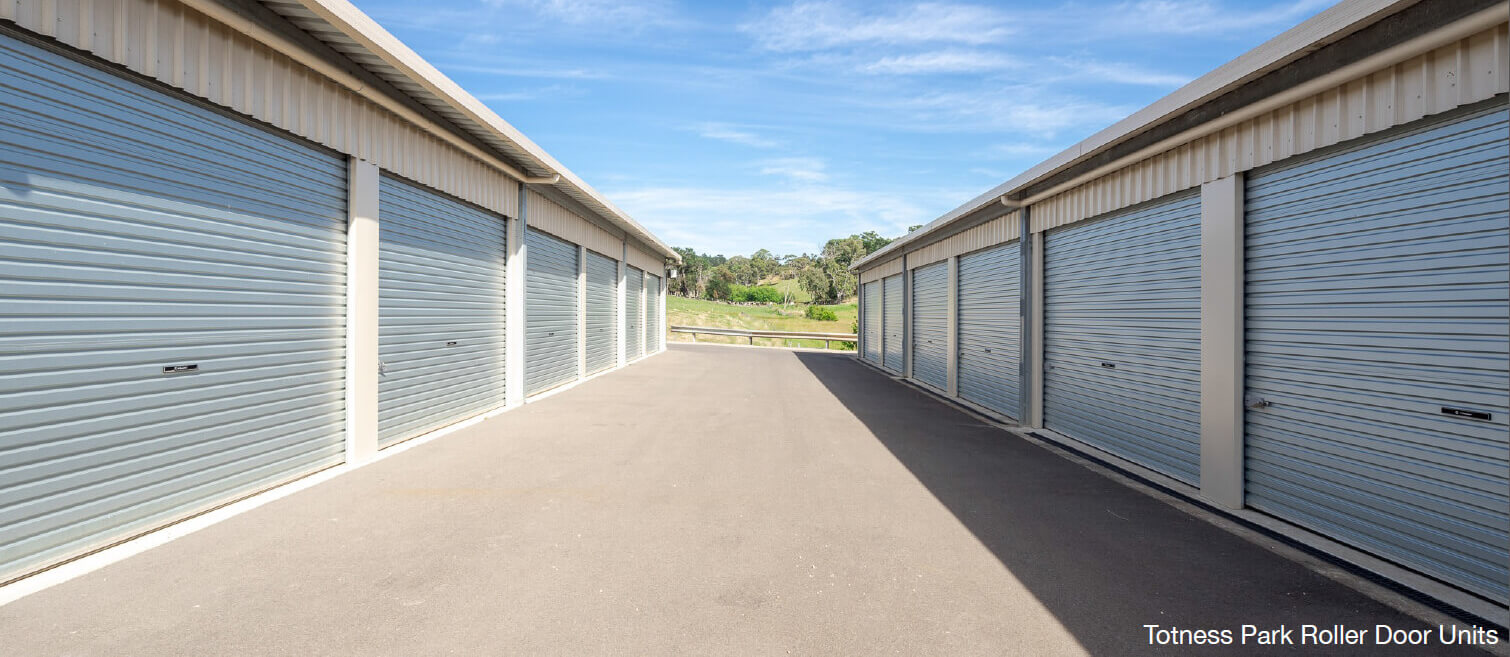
(720, 284)
(872, 241)
(914, 227)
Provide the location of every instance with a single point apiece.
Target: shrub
(821, 314)
(754, 294)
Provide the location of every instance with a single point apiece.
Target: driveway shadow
(1105, 559)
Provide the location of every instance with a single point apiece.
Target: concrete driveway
(710, 501)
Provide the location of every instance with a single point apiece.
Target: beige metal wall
(646, 259)
(184, 49)
(996, 231)
(1461, 73)
(878, 272)
(547, 215)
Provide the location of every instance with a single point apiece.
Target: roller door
(1122, 334)
(602, 312)
(440, 310)
(930, 324)
(1377, 327)
(653, 330)
(990, 328)
(871, 322)
(634, 314)
(550, 312)
(891, 322)
(172, 328)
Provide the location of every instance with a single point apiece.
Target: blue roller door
(440, 310)
(1122, 334)
(930, 324)
(990, 328)
(891, 322)
(1377, 296)
(602, 312)
(870, 322)
(550, 312)
(172, 328)
(634, 314)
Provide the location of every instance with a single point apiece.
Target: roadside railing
(827, 338)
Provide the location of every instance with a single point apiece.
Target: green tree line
(825, 276)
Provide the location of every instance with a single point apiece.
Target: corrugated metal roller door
(602, 312)
(550, 312)
(653, 330)
(1122, 334)
(173, 324)
(1377, 308)
(440, 310)
(990, 328)
(871, 322)
(891, 322)
(930, 324)
(634, 313)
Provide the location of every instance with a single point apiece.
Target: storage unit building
(550, 313)
(220, 278)
(1284, 288)
(440, 310)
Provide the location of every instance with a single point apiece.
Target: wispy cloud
(940, 62)
(822, 24)
(734, 135)
(526, 70)
(554, 92)
(624, 14)
(1191, 17)
(802, 169)
(1118, 73)
(1027, 112)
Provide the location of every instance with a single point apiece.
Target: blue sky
(730, 127)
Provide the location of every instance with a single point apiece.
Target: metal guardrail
(827, 338)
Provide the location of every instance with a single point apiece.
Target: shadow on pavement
(1105, 559)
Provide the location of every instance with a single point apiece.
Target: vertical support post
(644, 284)
(1222, 341)
(363, 367)
(906, 319)
(860, 310)
(951, 326)
(1032, 324)
(515, 278)
(581, 311)
(660, 336)
(622, 334)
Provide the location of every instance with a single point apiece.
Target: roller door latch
(194, 367)
(1255, 401)
(1463, 412)
(451, 343)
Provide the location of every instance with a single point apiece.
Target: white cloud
(733, 134)
(1027, 112)
(527, 71)
(943, 61)
(1119, 73)
(801, 169)
(623, 14)
(550, 92)
(1189, 17)
(810, 25)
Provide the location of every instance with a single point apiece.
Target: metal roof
(1326, 27)
(353, 34)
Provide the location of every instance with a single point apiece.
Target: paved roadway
(709, 501)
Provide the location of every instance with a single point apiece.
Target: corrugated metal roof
(346, 30)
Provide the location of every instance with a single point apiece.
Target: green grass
(681, 311)
(790, 286)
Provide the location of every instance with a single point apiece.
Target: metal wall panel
(1122, 334)
(990, 328)
(550, 312)
(996, 231)
(653, 330)
(140, 232)
(881, 270)
(440, 310)
(551, 217)
(891, 322)
(602, 312)
(1377, 295)
(634, 313)
(870, 324)
(930, 324)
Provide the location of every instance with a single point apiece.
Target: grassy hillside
(790, 286)
(696, 312)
